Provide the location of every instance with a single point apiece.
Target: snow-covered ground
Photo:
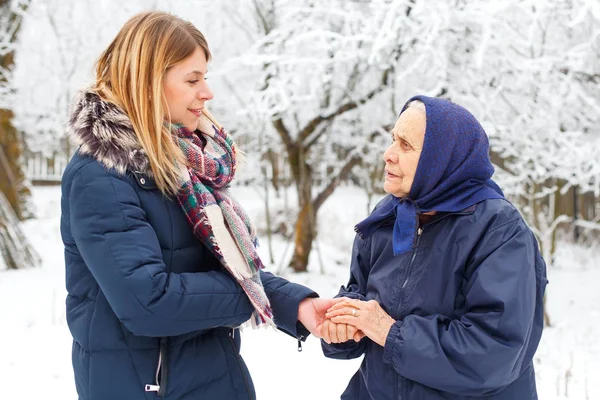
(36, 344)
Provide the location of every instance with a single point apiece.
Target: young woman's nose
(205, 93)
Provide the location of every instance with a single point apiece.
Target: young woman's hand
(311, 312)
(340, 333)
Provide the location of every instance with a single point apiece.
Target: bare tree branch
(351, 105)
(335, 181)
(283, 132)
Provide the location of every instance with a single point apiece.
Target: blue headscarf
(453, 173)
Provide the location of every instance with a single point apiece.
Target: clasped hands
(343, 319)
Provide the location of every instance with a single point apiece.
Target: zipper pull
(152, 388)
(300, 343)
(232, 334)
(419, 231)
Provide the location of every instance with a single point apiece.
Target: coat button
(142, 181)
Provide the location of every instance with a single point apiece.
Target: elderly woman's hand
(365, 316)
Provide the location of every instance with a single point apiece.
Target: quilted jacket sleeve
(285, 297)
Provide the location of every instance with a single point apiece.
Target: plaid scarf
(216, 218)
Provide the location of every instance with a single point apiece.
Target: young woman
(161, 264)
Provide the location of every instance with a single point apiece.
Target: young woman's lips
(197, 112)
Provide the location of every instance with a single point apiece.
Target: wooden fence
(47, 170)
(41, 169)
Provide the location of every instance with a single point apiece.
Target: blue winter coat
(148, 304)
(468, 302)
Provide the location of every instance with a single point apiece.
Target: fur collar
(103, 131)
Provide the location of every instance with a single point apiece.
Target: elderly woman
(447, 282)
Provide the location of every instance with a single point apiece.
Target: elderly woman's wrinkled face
(402, 157)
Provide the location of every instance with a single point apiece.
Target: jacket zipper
(400, 386)
(230, 336)
(161, 376)
(419, 233)
(156, 386)
(300, 343)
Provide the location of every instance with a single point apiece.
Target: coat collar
(103, 131)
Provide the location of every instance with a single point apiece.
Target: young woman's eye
(206, 78)
(193, 81)
(393, 138)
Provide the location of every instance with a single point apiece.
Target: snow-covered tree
(530, 71)
(325, 79)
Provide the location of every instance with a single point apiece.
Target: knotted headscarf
(454, 172)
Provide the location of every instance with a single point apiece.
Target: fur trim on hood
(103, 131)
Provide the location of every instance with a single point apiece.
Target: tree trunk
(14, 247)
(273, 158)
(305, 224)
(12, 179)
(15, 250)
(305, 227)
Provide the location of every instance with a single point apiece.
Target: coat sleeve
(481, 352)
(122, 251)
(355, 289)
(285, 297)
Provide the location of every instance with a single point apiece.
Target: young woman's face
(186, 89)
(402, 157)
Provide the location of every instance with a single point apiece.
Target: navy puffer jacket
(151, 310)
(468, 302)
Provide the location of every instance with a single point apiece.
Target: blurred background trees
(310, 89)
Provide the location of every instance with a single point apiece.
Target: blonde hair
(130, 74)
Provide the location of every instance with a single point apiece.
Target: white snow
(36, 343)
